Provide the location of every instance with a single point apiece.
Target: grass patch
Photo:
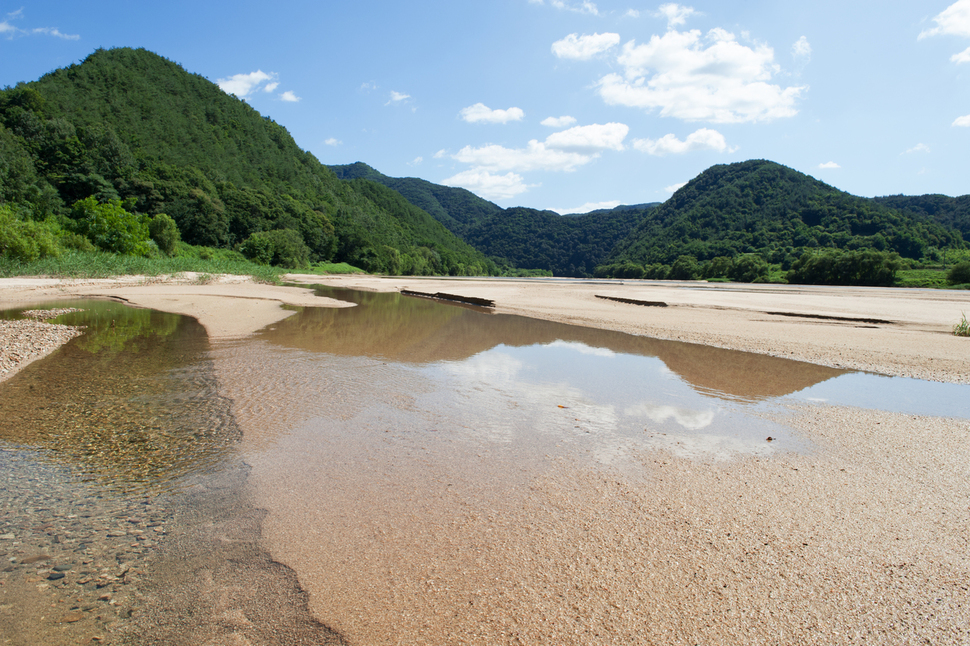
(81, 264)
(921, 278)
(331, 268)
(963, 327)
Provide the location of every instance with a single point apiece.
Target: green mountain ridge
(570, 245)
(129, 124)
(761, 207)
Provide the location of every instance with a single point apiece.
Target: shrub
(863, 267)
(281, 247)
(110, 227)
(959, 274)
(749, 268)
(164, 232)
(26, 240)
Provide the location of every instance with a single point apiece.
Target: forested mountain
(571, 245)
(953, 212)
(132, 126)
(456, 208)
(565, 245)
(760, 207)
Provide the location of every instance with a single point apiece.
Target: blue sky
(565, 104)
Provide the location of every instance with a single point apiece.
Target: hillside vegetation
(759, 213)
(131, 129)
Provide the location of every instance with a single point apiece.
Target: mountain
(456, 208)
(571, 245)
(764, 208)
(953, 212)
(127, 124)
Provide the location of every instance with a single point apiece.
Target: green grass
(331, 268)
(921, 278)
(79, 264)
(963, 327)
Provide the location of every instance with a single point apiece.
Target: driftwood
(633, 301)
(454, 298)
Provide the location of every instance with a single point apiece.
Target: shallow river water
(381, 474)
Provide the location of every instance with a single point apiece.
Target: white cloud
(953, 21)
(558, 122)
(489, 185)
(11, 31)
(674, 13)
(481, 113)
(289, 97)
(333, 141)
(583, 7)
(918, 148)
(703, 139)
(242, 85)
(673, 188)
(632, 13)
(561, 151)
(963, 121)
(962, 57)
(590, 139)
(802, 50)
(829, 165)
(368, 86)
(441, 153)
(397, 97)
(535, 156)
(584, 47)
(271, 86)
(695, 78)
(589, 206)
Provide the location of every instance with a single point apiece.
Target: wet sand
(864, 539)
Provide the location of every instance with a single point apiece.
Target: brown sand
(864, 540)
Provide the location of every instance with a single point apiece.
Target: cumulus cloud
(289, 97)
(673, 188)
(589, 206)
(558, 122)
(694, 77)
(918, 148)
(242, 85)
(481, 113)
(675, 14)
(828, 165)
(692, 420)
(802, 50)
(963, 121)
(563, 151)
(703, 139)
(270, 87)
(489, 185)
(590, 139)
(952, 21)
(631, 13)
(333, 141)
(584, 47)
(535, 156)
(441, 153)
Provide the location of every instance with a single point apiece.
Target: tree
(110, 227)
(164, 232)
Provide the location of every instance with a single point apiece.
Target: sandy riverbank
(861, 540)
(890, 331)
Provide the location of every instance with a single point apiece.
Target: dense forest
(765, 213)
(143, 138)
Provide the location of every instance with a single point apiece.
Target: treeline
(130, 129)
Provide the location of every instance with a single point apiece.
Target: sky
(567, 105)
